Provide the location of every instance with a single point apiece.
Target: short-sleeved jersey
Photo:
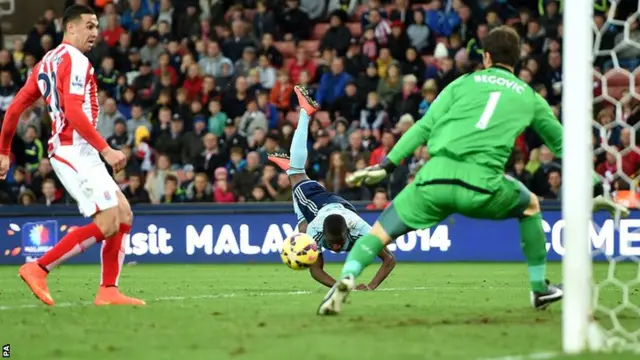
(66, 71)
(477, 118)
(357, 226)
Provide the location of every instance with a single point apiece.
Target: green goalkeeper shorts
(444, 187)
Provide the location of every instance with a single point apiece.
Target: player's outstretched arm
(388, 263)
(318, 273)
(25, 98)
(547, 125)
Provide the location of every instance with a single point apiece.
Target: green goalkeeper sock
(362, 255)
(534, 247)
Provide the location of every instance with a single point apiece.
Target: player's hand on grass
(5, 163)
(370, 175)
(115, 158)
(362, 287)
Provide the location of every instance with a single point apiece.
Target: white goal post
(584, 298)
(577, 167)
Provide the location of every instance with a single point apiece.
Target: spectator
(173, 142)
(340, 139)
(247, 62)
(390, 85)
(120, 136)
(151, 51)
(236, 162)
(332, 84)
(29, 119)
(138, 119)
(373, 116)
(380, 200)
(301, 63)
(294, 23)
(155, 183)
(8, 91)
(264, 21)
(223, 193)
(19, 184)
(132, 18)
(172, 192)
(211, 157)
(244, 181)
(554, 180)
(267, 72)
(258, 194)
(232, 137)
(338, 35)
(112, 30)
(200, 190)
(355, 62)
(335, 180)
(108, 76)
(49, 191)
(193, 140)
(282, 92)
(268, 48)
(398, 40)
(407, 101)
(134, 192)
(34, 150)
(234, 46)
(283, 192)
(381, 152)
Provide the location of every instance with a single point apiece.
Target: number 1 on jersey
(494, 97)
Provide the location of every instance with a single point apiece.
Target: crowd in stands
(196, 93)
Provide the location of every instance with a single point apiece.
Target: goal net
(601, 268)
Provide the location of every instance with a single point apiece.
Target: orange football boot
(280, 159)
(112, 296)
(36, 278)
(305, 100)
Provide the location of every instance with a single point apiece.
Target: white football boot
(332, 302)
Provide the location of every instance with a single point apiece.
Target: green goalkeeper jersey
(477, 118)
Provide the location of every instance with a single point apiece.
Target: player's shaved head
(74, 13)
(502, 46)
(335, 231)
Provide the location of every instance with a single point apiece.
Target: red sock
(70, 245)
(112, 257)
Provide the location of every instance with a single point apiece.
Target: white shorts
(86, 179)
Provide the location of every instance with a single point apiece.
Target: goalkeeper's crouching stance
(470, 130)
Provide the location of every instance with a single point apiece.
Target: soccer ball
(299, 251)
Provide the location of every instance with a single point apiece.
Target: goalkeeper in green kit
(470, 130)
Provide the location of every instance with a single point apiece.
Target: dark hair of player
(503, 43)
(75, 12)
(334, 227)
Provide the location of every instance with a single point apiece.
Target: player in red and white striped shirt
(64, 77)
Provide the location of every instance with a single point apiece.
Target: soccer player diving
(470, 129)
(328, 218)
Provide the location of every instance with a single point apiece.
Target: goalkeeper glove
(373, 174)
(602, 203)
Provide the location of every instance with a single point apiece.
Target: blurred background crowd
(198, 92)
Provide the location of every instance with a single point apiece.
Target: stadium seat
(311, 46)
(359, 11)
(355, 28)
(319, 30)
(323, 117)
(292, 117)
(286, 48)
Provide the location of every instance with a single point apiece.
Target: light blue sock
(298, 152)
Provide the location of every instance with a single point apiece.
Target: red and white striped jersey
(65, 71)
(64, 77)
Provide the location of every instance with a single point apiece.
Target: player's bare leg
(104, 225)
(112, 257)
(294, 164)
(364, 252)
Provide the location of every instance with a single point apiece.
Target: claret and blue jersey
(313, 203)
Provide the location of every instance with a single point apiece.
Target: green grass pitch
(463, 311)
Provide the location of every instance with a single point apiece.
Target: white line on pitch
(210, 296)
(534, 356)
